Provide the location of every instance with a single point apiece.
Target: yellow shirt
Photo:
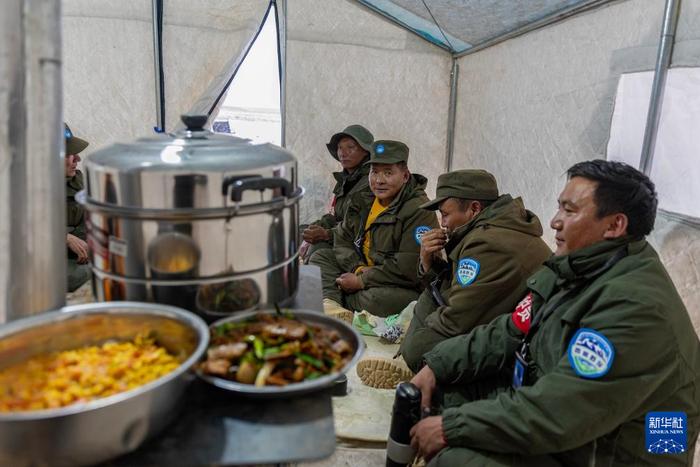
(374, 212)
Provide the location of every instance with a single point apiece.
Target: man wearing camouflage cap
(372, 265)
(350, 147)
(492, 244)
(76, 235)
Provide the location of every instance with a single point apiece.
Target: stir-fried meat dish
(274, 350)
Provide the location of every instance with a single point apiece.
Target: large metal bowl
(92, 432)
(294, 389)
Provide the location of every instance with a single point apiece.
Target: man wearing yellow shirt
(374, 261)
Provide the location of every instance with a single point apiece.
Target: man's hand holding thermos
(409, 435)
(427, 437)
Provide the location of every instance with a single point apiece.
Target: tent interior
(534, 87)
(523, 89)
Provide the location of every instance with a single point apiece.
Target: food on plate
(58, 379)
(274, 350)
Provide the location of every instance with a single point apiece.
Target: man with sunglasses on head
(76, 235)
(599, 363)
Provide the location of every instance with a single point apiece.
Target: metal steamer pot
(204, 221)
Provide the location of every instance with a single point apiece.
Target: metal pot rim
(129, 308)
(134, 212)
(204, 280)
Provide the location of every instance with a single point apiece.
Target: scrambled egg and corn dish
(62, 378)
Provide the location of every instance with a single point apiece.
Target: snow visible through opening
(251, 108)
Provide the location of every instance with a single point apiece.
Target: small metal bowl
(92, 432)
(293, 389)
(248, 295)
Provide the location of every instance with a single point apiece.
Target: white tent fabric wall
(347, 65)
(531, 107)
(109, 76)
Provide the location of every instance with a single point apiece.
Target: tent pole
(281, 11)
(32, 175)
(158, 64)
(663, 61)
(454, 76)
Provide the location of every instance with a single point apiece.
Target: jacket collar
(344, 177)
(74, 184)
(583, 265)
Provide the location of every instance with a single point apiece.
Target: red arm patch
(521, 315)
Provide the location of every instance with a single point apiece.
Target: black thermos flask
(405, 414)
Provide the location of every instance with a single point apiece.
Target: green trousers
(420, 339)
(314, 248)
(459, 457)
(379, 301)
(78, 274)
(455, 396)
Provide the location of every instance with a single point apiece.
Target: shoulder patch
(467, 270)
(523, 313)
(591, 354)
(419, 231)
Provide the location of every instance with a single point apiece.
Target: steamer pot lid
(192, 149)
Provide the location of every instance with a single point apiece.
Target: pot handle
(259, 183)
(228, 181)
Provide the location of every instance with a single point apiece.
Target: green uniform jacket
(75, 216)
(505, 241)
(395, 246)
(347, 186)
(588, 421)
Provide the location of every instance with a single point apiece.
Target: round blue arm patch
(418, 233)
(590, 353)
(467, 270)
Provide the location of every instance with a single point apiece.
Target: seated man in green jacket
(494, 245)
(76, 235)
(599, 349)
(373, 263)
(351, 148)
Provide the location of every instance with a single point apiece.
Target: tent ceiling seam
(457, 47)
(403, 25)
(548, 20)
(438, 26)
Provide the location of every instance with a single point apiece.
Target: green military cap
(465, 184)
(357, 132)
(74, 145)
(388, 152)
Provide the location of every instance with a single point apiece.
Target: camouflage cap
(74, 145)
(357, 132)
(388, 152)
(464, 184)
